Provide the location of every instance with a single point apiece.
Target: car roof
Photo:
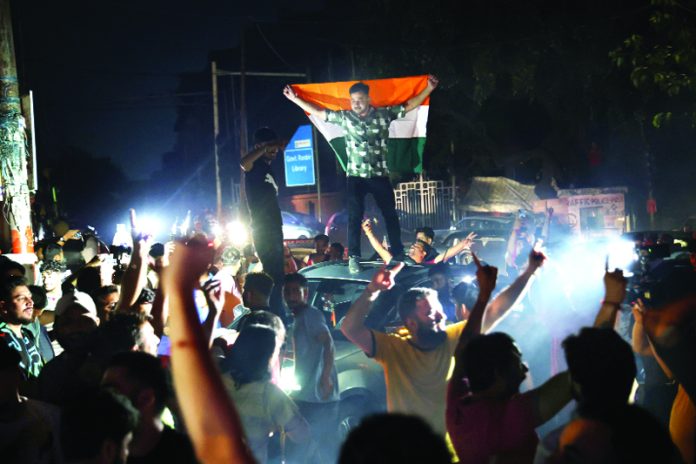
(410, 275)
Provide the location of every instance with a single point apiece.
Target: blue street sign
(299, 158)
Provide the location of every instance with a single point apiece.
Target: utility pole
(13, 143)
(216, 135)
(243, 135)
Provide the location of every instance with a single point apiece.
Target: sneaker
(353, 265)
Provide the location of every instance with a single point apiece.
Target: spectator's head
(53, 252)
(422, 314)
(10, 373)
(295, 291)
(231, 259)
(439, 276)
(89, 279)
(336, 251)
(74, 329)
(359, 98)
(38, 296)
(249, 359)
(9, 268)
(266, 136)
(629, 435)
(394, 439)
(52, 275)
(79, 302)
(141, 378)
(257, 289)
(321, 243)
(98, 428)
(425, 234)
(127, 332)
(602, 368)
(106, 299)
(266, 319)
(494, 363)
(418, 251)
(16, 304)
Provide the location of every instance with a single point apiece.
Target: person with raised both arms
(367, 132)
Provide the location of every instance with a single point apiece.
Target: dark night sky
(101, 71)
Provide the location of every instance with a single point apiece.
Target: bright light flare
(622, 254)
(237, 234)
(149, 225)
(468, 279)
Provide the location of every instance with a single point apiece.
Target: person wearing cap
(16, 313)
(262, 199)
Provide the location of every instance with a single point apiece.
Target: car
(333, 289)
(337, 229)
(492, 234)
(295, 226)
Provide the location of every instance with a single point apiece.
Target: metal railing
(426, 203)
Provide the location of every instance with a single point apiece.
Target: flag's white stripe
(411, 126)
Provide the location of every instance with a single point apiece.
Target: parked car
(299, 226)
(333, 289)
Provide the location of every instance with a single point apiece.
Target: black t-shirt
(262, 195)
(173, 447)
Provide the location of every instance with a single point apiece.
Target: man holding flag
(366, 132)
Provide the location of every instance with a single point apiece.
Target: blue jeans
(381, 190)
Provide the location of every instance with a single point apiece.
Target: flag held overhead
(406, 136)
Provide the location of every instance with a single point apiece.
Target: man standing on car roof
(262, 199)
(367, 132)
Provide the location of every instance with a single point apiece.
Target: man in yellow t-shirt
(417, 368)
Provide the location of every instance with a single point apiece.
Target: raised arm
(551, 396)
(216, 437)
(486, 277)
(306, 106)
(248, 160)
(135, 277)
(353, 326)
(614, 293)
(454, 250)
(374, 241)
(416, 101)
(513, 293)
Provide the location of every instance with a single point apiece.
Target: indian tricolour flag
(406, 136)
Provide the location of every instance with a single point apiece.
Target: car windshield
(335, 296)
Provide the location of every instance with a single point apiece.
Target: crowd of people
(88, 365)
(89, 355)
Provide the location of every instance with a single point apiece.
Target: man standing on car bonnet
(262, 199)
(367, 132)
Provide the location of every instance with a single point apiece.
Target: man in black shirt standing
(262, 199)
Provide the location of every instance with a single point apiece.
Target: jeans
(381, 190)
(268, 241)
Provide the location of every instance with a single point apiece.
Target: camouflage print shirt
(366, 138)
(27, 347)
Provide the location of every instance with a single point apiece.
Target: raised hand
(614, 286)
(536, 260)
(187, 263)
(433, 82)
(486, 276)
(289, 93)
(142, 241)
(469, 240)
(384, 278)
(214, 296)
(367, 226)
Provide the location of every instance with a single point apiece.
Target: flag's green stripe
(405, 155)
